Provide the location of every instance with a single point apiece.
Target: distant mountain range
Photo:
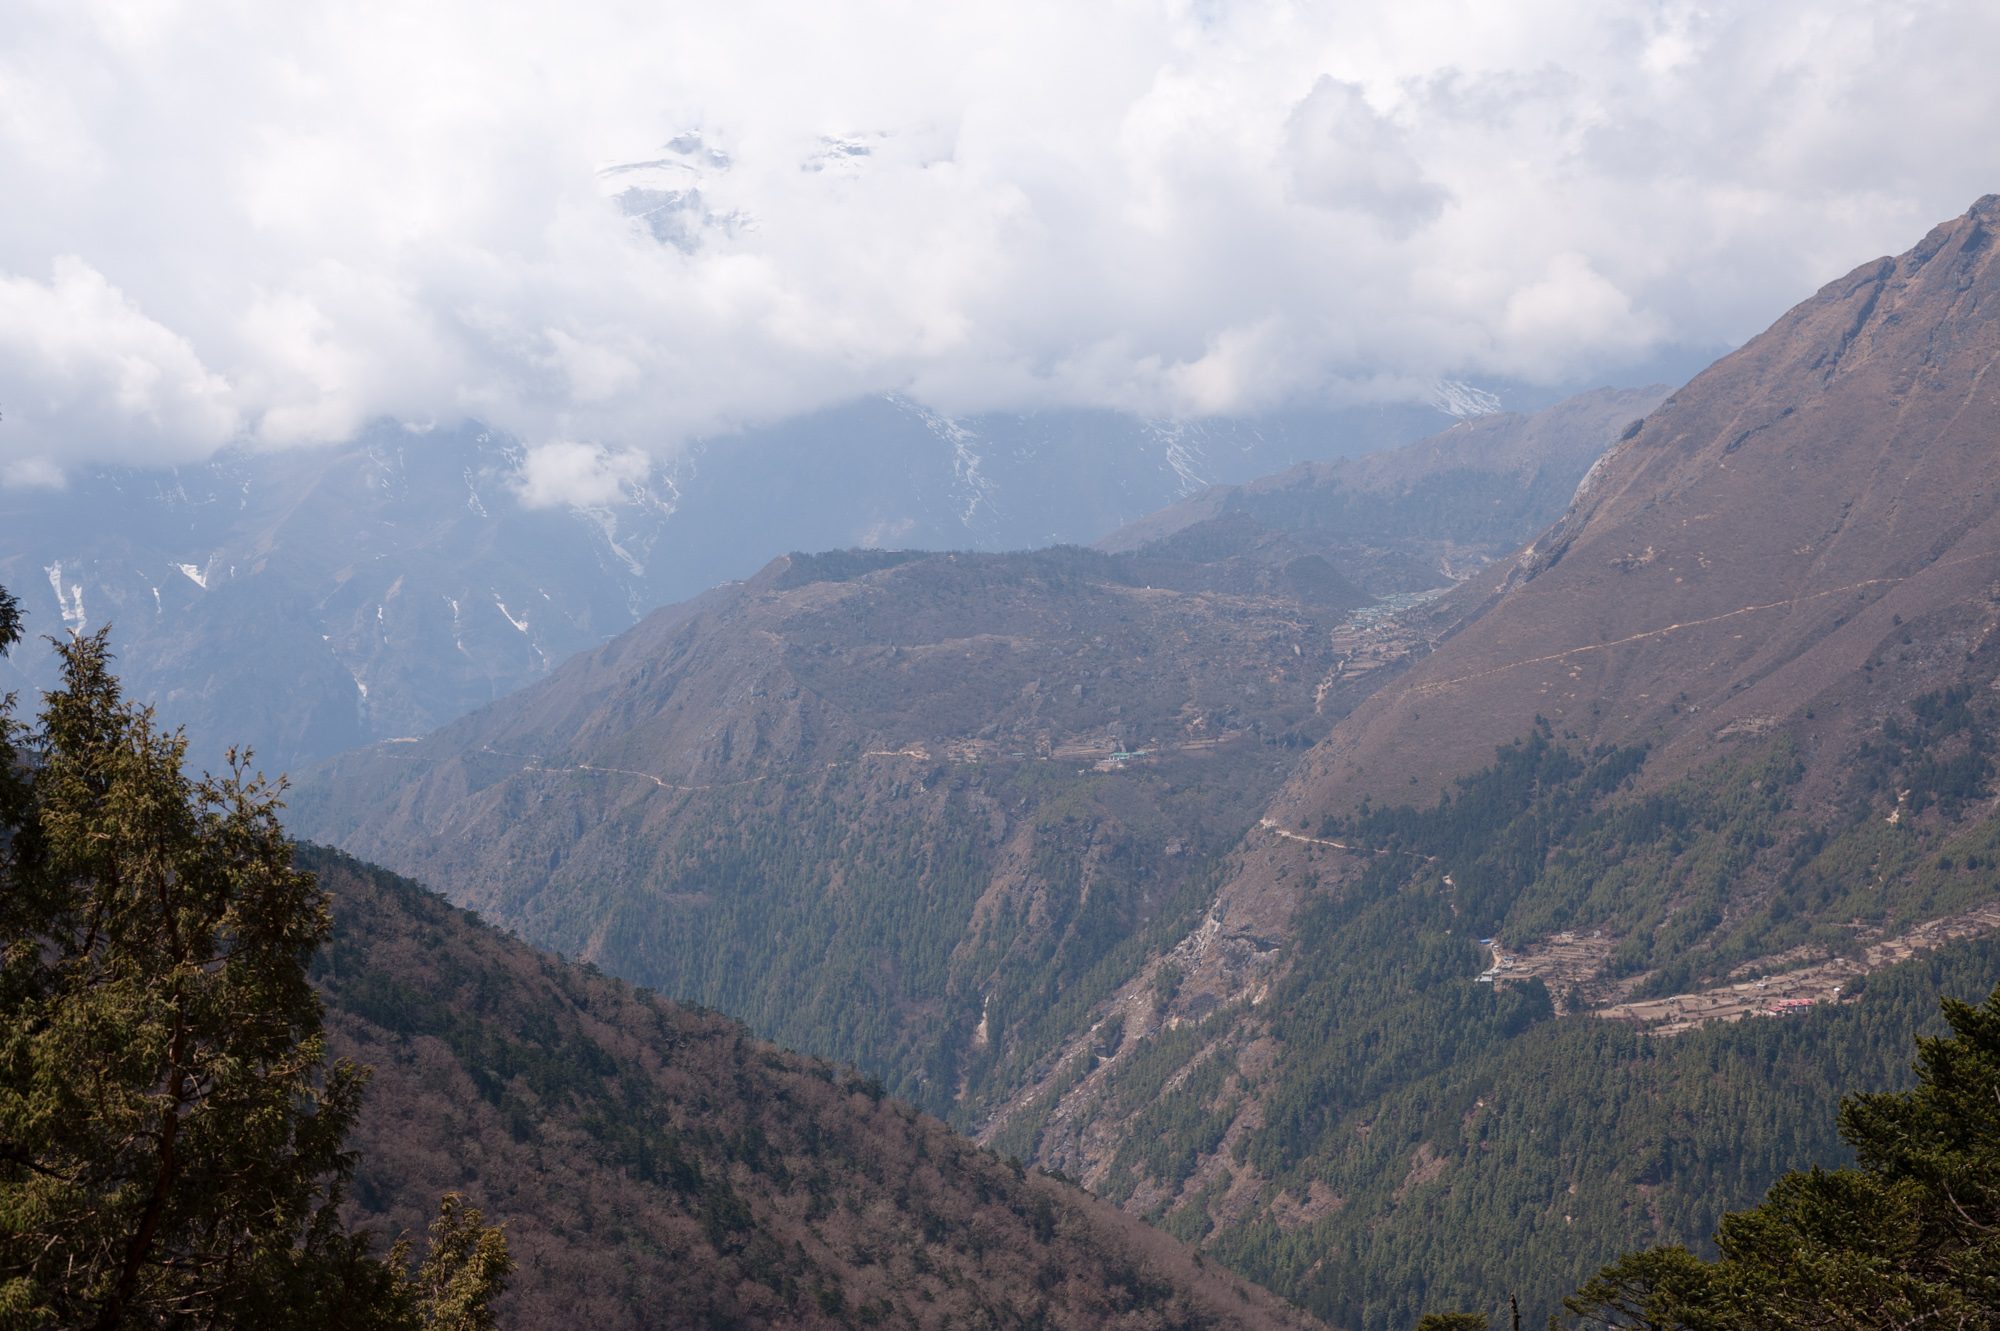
(1418, 517)
(308, 602)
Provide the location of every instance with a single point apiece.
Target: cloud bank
(608, 227)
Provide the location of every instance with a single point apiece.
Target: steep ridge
(1762, 546)
(657, 1167)
(1420, 516)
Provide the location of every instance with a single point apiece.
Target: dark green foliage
(171, 1136)
(1470, 1142)
(1575, 1139)
(1942, 756)
(860, 938)
(1910, 1236)
(168, 1141)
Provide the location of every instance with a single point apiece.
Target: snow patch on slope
(606, 522)
(1456, 398)
(520, 624)
(1184, 454)
(70, 602)
(972, 489)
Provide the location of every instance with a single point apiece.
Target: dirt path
(954, 753)
(1271, 826)
(1439, 685)
(532, 763)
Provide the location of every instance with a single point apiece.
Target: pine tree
(171, 1132)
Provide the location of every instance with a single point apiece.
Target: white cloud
(1345, 155)
(83, 369)
(280, 222)
(586, 475)
(1565, 313)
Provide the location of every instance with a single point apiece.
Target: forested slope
(1373, 1131)
(659, 1167)
(872, 802)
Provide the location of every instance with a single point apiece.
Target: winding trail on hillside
(533, 763)
(1270, 825)
(1439, 685)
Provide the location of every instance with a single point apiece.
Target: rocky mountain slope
(657, 1167)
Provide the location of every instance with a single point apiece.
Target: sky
(610, 228)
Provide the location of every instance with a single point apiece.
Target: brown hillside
(656, 1167)
(1806, 534)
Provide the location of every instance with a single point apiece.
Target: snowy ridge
(664, 194)
(844, 155)
(1456, 398)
